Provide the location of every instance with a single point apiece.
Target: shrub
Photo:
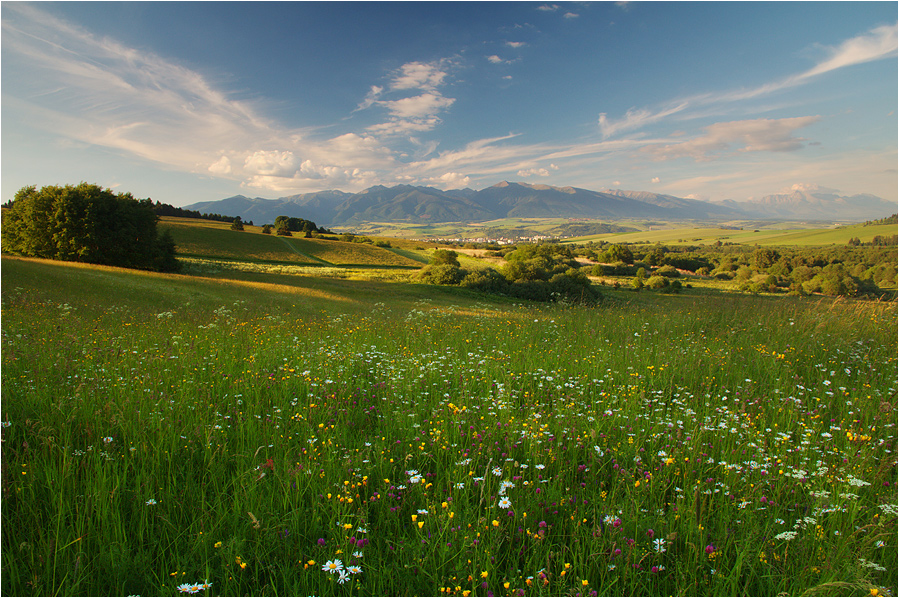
(667, 272)
(444, 257)
(657, 282)
(487, 280)
(444, 274)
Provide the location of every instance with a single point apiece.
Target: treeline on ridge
(164, 209)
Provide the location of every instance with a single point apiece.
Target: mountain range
(411, 204)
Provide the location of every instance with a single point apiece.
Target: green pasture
(258, 433)
(839, 235)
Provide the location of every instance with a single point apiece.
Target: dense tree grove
(545, 272)
(854, 269)
(297, 225)
(87, 223)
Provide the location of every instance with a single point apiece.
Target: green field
(217, 240)
(765, 237)
(765, 233)
(250, 430)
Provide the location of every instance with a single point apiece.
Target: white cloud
(571, 15)
(221, 166)
(396, 127)
(495, 59)
(534, 171)
(656, 179)
(515, 45)
(272, 163)
(413, 113)
(419, 75)
(421, 106)
(772, 135)
(880, 42)
(370, 98)
(548, 7)
(450, 180)
(529, 172)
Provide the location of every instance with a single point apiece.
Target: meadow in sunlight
(164, 435)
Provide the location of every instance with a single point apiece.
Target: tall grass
(682, 445)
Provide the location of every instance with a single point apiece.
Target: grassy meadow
(253, 433)
(766, 235)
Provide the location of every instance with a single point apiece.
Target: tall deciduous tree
(87, 223)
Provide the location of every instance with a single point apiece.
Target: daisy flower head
(505, 503)
(343, 577)
(497, 471)
(335, 566)
(659, 544)
(354, 569)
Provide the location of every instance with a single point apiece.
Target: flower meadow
(683, 445)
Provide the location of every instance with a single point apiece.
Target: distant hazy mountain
(811, 202)
(407, 203)
(689, 208)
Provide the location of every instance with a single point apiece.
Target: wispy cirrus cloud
(636, 119)
(762, 134)
(876, 44)
(97, 91)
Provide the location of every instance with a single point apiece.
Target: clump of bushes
(533, 272)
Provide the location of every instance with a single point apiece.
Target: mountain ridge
(506, 199)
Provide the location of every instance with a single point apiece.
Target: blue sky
(187, 102)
